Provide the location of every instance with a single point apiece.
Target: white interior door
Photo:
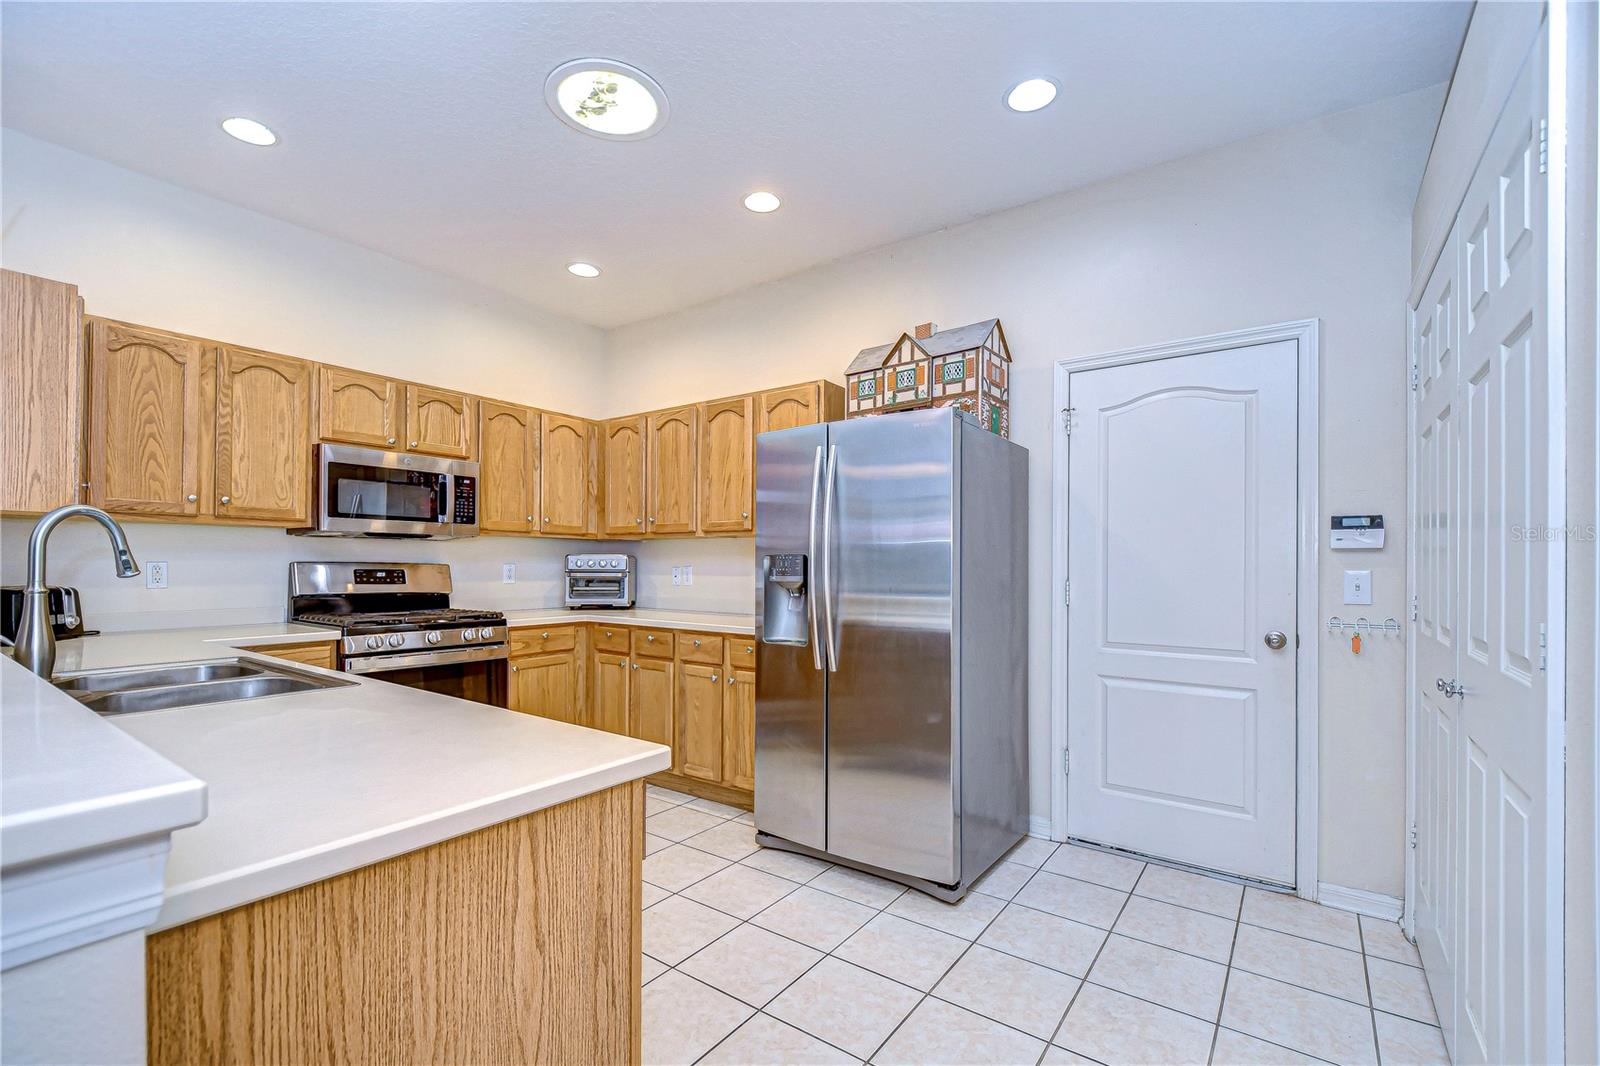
(1487, 756)
(1181, 563)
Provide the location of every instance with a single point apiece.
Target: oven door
(378, 493)
(598, 590)
(478, 674)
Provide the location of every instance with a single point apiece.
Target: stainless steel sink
(188, 684)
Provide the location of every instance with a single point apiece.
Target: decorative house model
(967, 368)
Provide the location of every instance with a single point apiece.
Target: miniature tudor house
(967, 368)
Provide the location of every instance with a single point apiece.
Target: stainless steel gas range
(396, 623)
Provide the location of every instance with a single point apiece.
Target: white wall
(1313, 221)
(149, 252)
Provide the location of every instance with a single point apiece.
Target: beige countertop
(698, 621)
(305, 786)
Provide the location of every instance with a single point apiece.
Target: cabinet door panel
(146, 420)
(650, 696)
(727, 461)
(624, 476)
(263, 437)
(41, 382)
(566, 484)
(700, 721)
(359, 408)
(549, 686)
(508, 488)
(670, 458)
(799, 405)
(608, 707)
(439, 422)
(739, 729)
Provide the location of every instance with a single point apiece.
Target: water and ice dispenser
(784, 601)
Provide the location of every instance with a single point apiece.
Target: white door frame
(1305, 335)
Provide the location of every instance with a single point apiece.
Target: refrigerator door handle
(827, 556)
(811, 535)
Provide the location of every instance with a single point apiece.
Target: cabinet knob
(227, 499)
(730, 680)
(547, 518)
(636, 666)
(545, 635)
(530, 518)
(638, 521)
(713, 679)
(413, 444)
(697, 642)
(513, 669)
(744, 514)
(391, 440)
(193, 498)
(652, 519)
(650, 637)
(749, 649)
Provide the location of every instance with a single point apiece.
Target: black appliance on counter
(66, 612)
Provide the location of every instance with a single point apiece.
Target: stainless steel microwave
(365, 492)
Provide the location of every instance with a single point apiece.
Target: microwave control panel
(466, 501)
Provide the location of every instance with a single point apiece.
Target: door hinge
(1066, 419)
(1066, 761)
(1412, 835)
(1544, 145)
(1544, 647)
(1066, 592)
(1415, 608)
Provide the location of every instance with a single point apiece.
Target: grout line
(1366, 975)
(1090, 969)
(1274, 1043)
(1227, 975)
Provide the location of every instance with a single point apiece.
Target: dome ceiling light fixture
(583, 270)
(606, 98)
(763, 202)
(249, 131)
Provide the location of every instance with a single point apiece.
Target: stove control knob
(486, 633)
(469, 634)
(433, 636)
(374, 642)
(396, 639)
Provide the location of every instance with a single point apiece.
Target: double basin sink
(155, 688)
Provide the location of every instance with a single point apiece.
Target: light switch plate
(688, 575)
(508, 573)
(1358, 586)
(155, 575)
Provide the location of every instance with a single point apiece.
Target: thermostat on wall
(1356, 531)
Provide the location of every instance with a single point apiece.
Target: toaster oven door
(599, 590)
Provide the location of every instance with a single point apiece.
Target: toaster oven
(599, 581)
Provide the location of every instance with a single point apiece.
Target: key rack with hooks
(1361, 628)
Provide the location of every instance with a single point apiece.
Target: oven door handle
(376, 664)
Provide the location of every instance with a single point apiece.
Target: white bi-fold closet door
(1487, 779)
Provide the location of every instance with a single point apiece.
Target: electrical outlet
(508, 573)
(677, 575)
(688, 575)
(155, 575)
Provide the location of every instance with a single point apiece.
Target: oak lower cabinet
(148, 426)
(670, 463)
(567, 485)
(313, 653)
(359, 408)
(508, 477)
(739, 717)
(547, 671)
(726, 465)
(263, 440)
(608, 692)
(42, 382)
(622, 445)
(699, 711)
(650, 702)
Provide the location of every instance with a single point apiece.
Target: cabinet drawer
(611, 638)
(653, 643)
(742, 652)
(535, 640)
(700, 648)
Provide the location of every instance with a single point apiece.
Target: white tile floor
(1060, 955)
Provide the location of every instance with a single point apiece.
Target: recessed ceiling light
(606, 98)
(1031, 95)
(249, 131)
(763, 202)
(583, 270)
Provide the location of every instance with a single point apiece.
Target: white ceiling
(420, 130)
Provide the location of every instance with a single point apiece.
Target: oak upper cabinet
(700, 721)
(567, 488)
(739, 730)
(359, 408)
(727, 465)
(42, 386)
(508, 483)
(263, 437)
(622, 443)
(670, 460)
(146, 420)
(440, 422)
(650, 698)
(799, 405)
(608, 700)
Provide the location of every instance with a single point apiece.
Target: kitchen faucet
(36, 639)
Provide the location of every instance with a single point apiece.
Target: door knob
(1276, 640)
(1449, 688)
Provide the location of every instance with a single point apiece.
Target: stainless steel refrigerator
(891, 654)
